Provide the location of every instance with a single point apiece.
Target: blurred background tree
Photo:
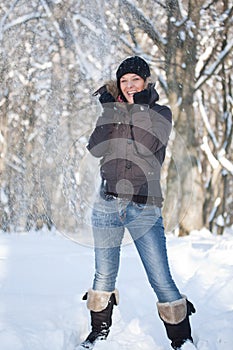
(54, 54)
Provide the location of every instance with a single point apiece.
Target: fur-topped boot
(100, 305)
(175, 316)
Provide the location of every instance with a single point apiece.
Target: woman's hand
(105, 96)
(142, 97)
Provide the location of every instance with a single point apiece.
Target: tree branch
(5, 17)
(206, 7)
(21, 20)
(50, 15)
(209, 72)
(226, 164)
(219, 160)
(220, 155)
(87, 23)
(160, 4)
(206, 121)
(145, 23)
(211, 158)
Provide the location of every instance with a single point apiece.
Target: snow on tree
(54, 54)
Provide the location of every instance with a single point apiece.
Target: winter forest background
(54, 54)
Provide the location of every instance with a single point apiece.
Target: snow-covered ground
(44, 275)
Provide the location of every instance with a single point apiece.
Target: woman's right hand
(105, 96)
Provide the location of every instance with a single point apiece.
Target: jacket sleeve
(151, 129)
(99, 140)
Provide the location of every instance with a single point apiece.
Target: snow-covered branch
(17, 168)
(86, 67)
(206, 148)
(163, 83)
(86, 22)
(213, 212)
(226, 164)
(220, 160)
(4, 18)
(22, 19)
(144, 23)
(182, 11)
(209, 72)
(126, 42)
(229, 130)
(206, 120)
(50, 15)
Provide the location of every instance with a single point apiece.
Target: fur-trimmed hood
(111, 86)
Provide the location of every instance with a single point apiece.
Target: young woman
(130, 138)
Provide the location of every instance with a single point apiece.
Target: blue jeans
(145, 225)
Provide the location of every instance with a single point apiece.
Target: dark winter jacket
(131, 141)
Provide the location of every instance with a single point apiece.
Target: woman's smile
(130, 84)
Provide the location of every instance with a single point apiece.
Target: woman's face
(130, 84)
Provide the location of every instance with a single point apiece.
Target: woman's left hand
(142, 97)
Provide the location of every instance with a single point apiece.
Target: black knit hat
(134, 65)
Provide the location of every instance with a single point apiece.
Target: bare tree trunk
(184, 185)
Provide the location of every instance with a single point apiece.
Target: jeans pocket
(148, 208)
